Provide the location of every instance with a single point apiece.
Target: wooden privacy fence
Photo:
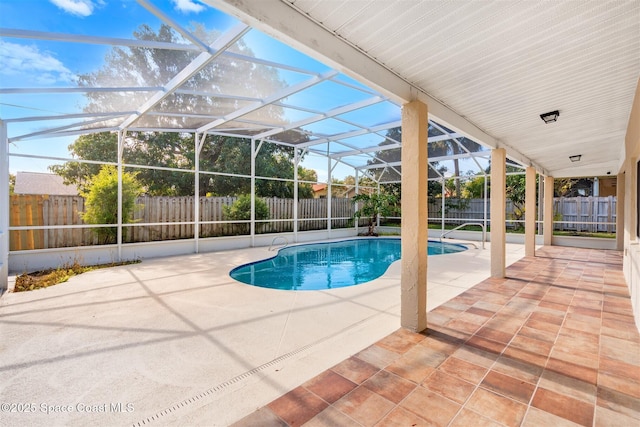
(43, 210)
(170, 218)
(592, 214)
(586, 213)
(468, 210)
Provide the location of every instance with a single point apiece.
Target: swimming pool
(329, 265)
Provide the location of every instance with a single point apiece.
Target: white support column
(196, 196)
(4, 208)
(296, 163)
(442, 208)
(547, 225)
(540, 203)
(485, 209)
(121, 136)
(498, 212)
(329, 169)
(357, 191)
(620, 202)
(530, 213)
(378, 214)
(413, 282)
(252, 227)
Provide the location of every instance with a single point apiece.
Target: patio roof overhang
(579, 58)
(354, 133)
(487, 71)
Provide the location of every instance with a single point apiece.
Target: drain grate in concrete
(183, 404)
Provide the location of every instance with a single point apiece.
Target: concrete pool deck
(554, 343)
(176, 341)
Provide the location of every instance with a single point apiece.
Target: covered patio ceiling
(487, 70)
(315, 108)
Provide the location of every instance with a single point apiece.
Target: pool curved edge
(329, 268)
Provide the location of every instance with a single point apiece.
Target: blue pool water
(329, 265)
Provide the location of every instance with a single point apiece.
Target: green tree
(454, 148)
(154, 68)
(474, 188)
(240, 210)
(305, 189)
(390, 155)
(101, 201)
(374, 205)
(573, 187)
(99, 147)
(516, 189)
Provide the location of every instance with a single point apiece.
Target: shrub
(240, 210)
(101, 201)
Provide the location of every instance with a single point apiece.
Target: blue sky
(31, 63)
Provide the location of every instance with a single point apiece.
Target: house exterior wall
(607, 187)
(631, 259)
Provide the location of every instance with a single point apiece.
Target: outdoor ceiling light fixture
(575, 158)
(550, 117)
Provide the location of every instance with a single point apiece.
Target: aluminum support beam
(284, 22)
(481, 154)
(329, 170)
(26, 90)
(269, 100)
(322, 116)
(395, 146)
(4, 208)
(173, 23)
(252, 226)
(296, 163)
(351, 134)
(218, 47)
(198, 143)
(121, 136)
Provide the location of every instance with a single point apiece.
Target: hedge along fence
(171, 218)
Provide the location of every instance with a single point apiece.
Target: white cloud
(188, 6)
(75, 7)
(32, 64)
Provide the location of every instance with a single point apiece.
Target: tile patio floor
(553, 344)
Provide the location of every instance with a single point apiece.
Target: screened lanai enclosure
(191, 136)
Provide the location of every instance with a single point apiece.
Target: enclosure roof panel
(156, 69)
(487, 69)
